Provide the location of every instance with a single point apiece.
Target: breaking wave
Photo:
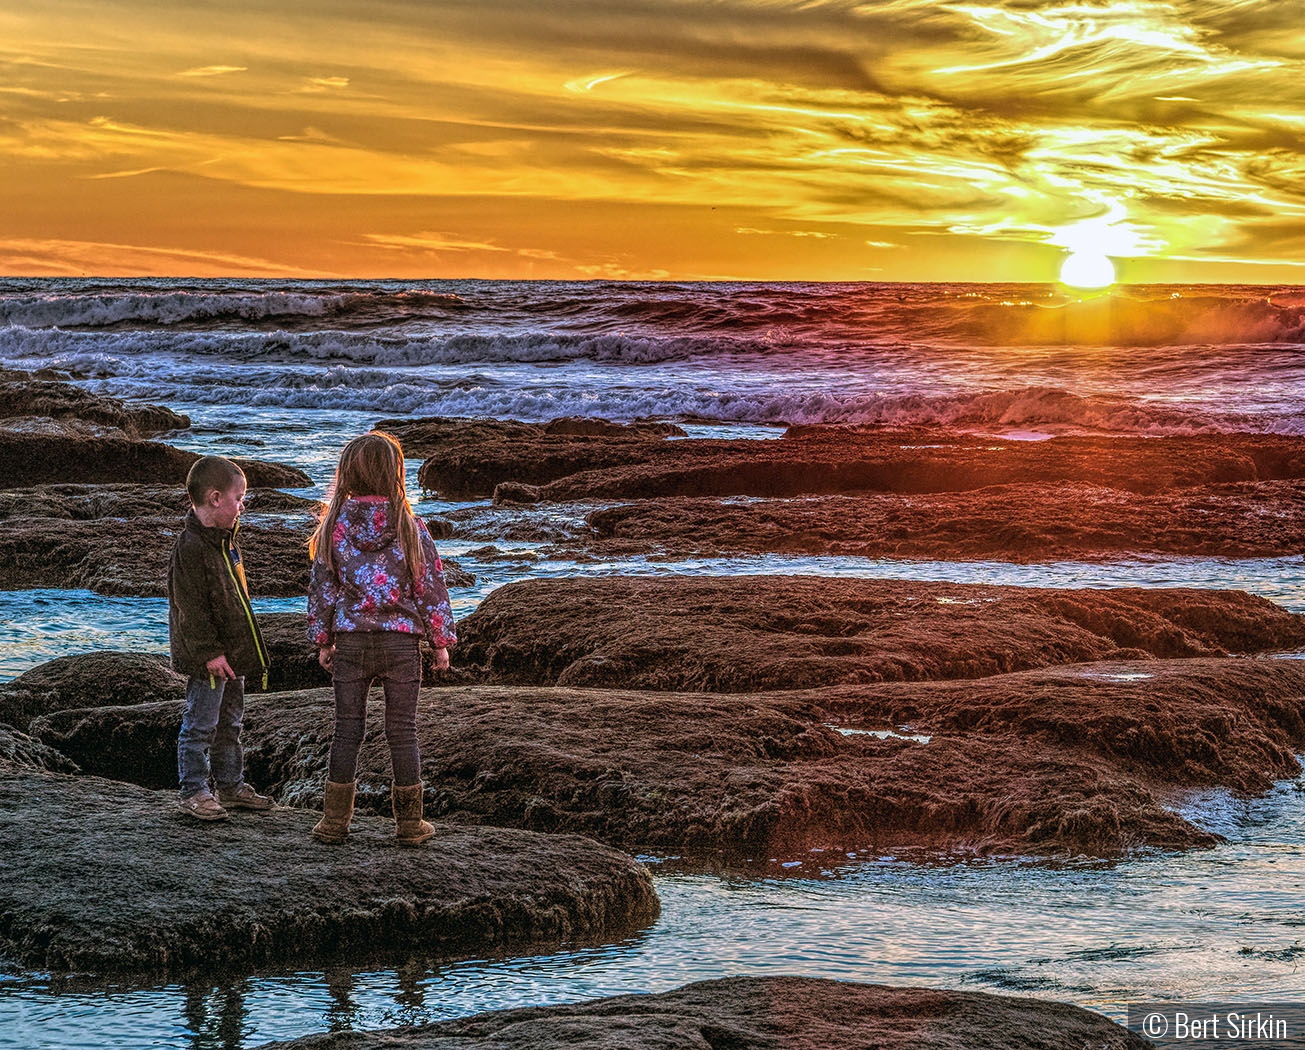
(388, 393)
(766, 316)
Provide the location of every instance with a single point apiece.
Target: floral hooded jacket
(373, 588)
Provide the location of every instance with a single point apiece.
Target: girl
(377, 589)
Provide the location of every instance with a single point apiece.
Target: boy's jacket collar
(209, 533)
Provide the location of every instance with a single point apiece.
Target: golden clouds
(900, 139)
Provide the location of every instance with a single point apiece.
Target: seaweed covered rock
(26, 395)
(130, 556)
(1019, 523)
(470, 457)
(29, 459)
(469, 463)
(1078, 759)
(745, 634)
(762, 1013)
(91, 502)
(20, 751)
(104, 679)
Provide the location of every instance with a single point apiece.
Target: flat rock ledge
(93, 502)
(1018, 523)
(762, 1013)
(107, 879)
(470, 462)
(32, 459)
(1075, 760)
(747, 634)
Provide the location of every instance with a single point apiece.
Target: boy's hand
(219, 668)
(441, 659)
(326, 656)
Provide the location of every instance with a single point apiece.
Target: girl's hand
(441, 659)
(326, 656)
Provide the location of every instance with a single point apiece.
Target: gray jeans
(362, 657)
(209, 743)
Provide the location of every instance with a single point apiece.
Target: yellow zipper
(249, 611)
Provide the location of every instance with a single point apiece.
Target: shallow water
(1222, 924)
(39, 625)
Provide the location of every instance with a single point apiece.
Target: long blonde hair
(370, 465)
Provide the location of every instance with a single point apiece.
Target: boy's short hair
(210, 473)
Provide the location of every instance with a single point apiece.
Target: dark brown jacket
(208, 604)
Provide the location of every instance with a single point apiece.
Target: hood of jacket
(365, 522)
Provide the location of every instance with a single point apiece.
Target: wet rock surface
(1063, 761)
(470, 457)
(1007, 522)
(23, 394)
(29, 459)
(746, 634)
(91, 502)
(106, 679)
(108, 878)
(762, 1013)
(831, 460)
(18, 751)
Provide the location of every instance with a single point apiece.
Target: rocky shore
(937, 717)
(1070, 760)
(722, 720)
(763, 1013)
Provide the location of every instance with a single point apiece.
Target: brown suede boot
(337, 811)
(408, 825)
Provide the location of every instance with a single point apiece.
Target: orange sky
(823, 140)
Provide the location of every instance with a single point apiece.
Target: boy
(215, 642)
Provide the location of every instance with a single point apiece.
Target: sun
(1087, 270)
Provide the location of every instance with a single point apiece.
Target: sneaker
(202, 806)
(244, 797)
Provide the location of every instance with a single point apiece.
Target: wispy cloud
(72, 257)
(212, 71)
(316, 84)
(432, 242)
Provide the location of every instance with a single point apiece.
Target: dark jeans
(210, 733)
(360, 658)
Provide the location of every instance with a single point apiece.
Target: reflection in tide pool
(1225, 924)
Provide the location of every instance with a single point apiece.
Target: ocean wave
(1047, 409)
(578, 319)
(120, 309)
(60, 348)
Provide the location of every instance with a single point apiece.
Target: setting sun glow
(1087, 270)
